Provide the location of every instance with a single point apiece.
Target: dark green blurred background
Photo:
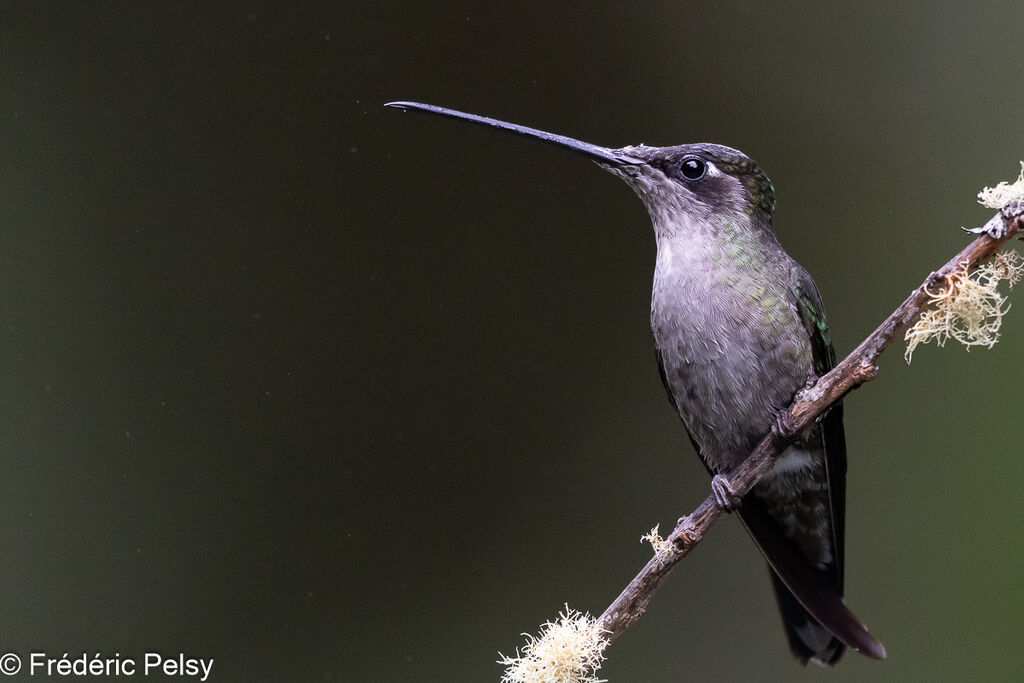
(326, 391)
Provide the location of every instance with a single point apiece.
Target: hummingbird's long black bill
(603, 154)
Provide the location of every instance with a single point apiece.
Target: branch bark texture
(856, 369)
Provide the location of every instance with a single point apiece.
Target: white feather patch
(792, 460)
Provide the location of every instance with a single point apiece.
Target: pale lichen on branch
(1003, 193)
(664, 548)
(568, 650)
(970, 308)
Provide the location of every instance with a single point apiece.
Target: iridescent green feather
(762, 194)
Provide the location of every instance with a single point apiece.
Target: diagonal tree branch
(856, 369)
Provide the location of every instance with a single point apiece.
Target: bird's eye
(693, 169)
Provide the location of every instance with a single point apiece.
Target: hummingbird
(739, 328)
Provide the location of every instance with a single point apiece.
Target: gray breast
(731, 344)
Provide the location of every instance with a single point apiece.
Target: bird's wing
(833, 439)
(818, 592)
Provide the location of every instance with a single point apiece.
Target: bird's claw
(725, 496)
(782, 431)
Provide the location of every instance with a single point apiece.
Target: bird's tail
(808, 640)
(804, 590)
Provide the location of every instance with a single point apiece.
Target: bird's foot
(725, 496)
(782, 430)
